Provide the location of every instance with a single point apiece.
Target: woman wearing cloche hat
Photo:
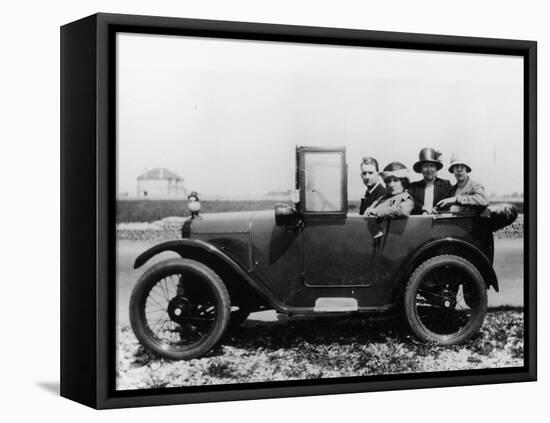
(466, 192)
(431, 189)
(397, 202)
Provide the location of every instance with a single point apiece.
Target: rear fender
(242, 288)
(451, 246)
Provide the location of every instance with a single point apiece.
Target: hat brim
(399, 174)
(460, 163)
(417, 167)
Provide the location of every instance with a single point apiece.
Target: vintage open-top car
(314, 258)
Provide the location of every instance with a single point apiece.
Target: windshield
(324, 173)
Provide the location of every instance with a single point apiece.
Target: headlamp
(194, 206)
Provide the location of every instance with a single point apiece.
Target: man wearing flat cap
(431, 189)
(466, 193)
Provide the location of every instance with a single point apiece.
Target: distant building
(160, 183)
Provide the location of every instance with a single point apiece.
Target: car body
(314, 257)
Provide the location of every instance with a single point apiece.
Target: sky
(226, 115)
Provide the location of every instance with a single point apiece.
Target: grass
(151, 210)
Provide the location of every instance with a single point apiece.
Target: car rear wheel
(179, 309)
(445, 300)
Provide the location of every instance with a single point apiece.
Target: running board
(338, 304)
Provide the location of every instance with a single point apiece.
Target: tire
(445, 300)
(179, 309)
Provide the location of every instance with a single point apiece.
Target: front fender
(179, 246)
(210, 255)
(453, 246)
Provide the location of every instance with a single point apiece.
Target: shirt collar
(374, 187)
(466, 185)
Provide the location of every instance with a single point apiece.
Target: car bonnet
(229, 222)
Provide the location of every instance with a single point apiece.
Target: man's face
(369, 174)
(460, 172)
(395, 186)
(429, 171)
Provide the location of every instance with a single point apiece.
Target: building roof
(159, 173)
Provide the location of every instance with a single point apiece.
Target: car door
(337, 250)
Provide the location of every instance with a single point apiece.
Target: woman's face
(460, 172)
(429, 171)
(395, 186)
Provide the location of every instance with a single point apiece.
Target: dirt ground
(322, 348)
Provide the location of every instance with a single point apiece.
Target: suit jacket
(473, 194)
(418, 188)
(371, 197)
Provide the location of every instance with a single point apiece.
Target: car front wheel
(179, 309)
(445, 300)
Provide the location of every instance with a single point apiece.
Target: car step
(335, 304)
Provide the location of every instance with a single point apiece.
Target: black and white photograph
(272, 212)
(290, 211)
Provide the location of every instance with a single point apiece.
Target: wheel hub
(179, 308)
(448, 299)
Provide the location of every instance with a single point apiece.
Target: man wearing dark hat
(466, 193)
(431, 189)
(373, 182)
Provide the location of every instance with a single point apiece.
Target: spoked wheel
(445, 300)
(179, 309)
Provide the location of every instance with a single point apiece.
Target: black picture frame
(88, 207)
